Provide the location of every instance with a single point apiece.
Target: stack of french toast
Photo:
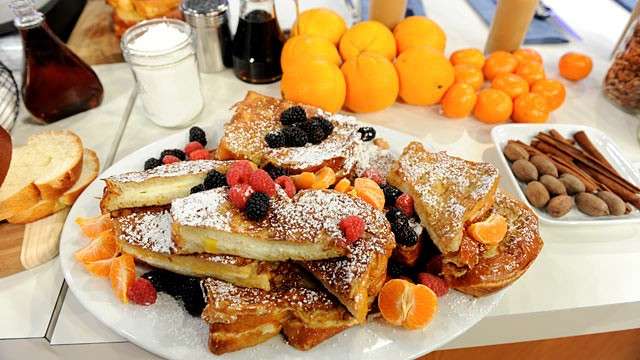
(307, 259)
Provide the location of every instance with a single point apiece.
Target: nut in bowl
(569, 174)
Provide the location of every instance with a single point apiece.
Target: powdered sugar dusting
(208, 209)
(175, 169)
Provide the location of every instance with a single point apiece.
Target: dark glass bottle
(257, 43)
(56, 83)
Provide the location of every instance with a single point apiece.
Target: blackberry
(175, 152)
(294, 136)
(292, 115)
(395, 215)
(214, 179)
(274, 171)
(315, 132)
(197, 134)
(327, 126)
(391, 194)
(185, 289)
(404, 233)
(152, 163)
(196, 189)
(396, 270)
(367, 133)
(257, 206)
(275, 139)
(304, 126)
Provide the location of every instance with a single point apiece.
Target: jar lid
(204, 12)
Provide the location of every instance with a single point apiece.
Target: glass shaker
(257, 43)
(622, 82)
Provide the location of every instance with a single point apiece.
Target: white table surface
(584, 281)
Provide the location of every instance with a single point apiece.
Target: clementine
(575, 66)
(493, 106)
(510, 83)
(459, 100)
(530, 108)
(527, 54)
(473, 57)
(552, 90)
(499, 62)
(531, 71)
(465, 73)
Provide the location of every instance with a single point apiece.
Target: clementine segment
(465, 73)
(402, 303)
(511, 84)
(459, 101)
(304, 180)
(99, 268)
(315, 82)
(424, 308)
(419, 31)
(473, 57)
(527, 54)
(493, 106)
(369, 36)
(306, 47)
(552, 90)
(499, 62)
(425, 75)
(531, 71)
(490, 231)
(372, 82)
(575, 66)
(324, 178)
(93, 226)
(320, 22)
(103, 247)
(343, 186)
(122, 273)
(369, 191)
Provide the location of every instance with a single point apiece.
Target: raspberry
(391, 193)
(257, 206)
(367, 133)
(142, 292)
(405, 203)
(434, 265)
(239, 172)
(375, 176)
(201, 154)
(352, 227)
(239, 194)
(275, 139)
(192, 146)
(197, 134)
(292, 115)
(152, 163)
(175, 152)
(169, 159)
(434, 283)
(214, 179)
(287, 184)
(261, 181)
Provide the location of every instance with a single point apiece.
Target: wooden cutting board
(23, 247)
(93, 38)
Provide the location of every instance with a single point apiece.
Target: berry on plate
(257, 206)
(197, 134)
(239, 172)
(352, 228)
(192, 146)
(435, 283)
(202, 154)
(239, 194)
(405, 203)
(260, 181)
(287, 185)
(169, 159)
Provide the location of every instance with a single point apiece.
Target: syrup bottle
(258, 43)
(56, 83)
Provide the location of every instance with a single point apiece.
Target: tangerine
(527, 54)
(459, 100)
(493, 106)
(531, 71)
(320, 22)
(552, 90)
(499, 62)
(473, 57)
(530, 108)
(512, 84)
(575, 66)
(490, 231)
(465, 73)
(304, 47)
(402, 303)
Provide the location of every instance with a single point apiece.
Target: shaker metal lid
(193, 8)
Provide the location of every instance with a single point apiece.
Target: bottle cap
(204, 13)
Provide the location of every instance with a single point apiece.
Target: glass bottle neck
(26, 15)
(262, 6)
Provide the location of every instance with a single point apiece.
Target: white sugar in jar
(162, 58)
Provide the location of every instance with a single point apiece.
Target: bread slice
(43, 208)
(45, 168)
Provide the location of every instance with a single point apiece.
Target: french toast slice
(257, 115)
(242, 317)
(146, 235)
(447, 191)
(500, 265)
(158, 186)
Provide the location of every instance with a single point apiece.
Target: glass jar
(162, 58)
(622, 82)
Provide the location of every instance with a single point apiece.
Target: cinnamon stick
(548, 149)
(567, 167)
(585, 143)
(556, 135)
(627, 195)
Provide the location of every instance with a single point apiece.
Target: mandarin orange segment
(423, 308)
(92, 226)
(512, 84)
(304, 180)
(343, 186)
(499, 62)
(391, 300)
(99, 268)
(122, 273)
(103, 247)
(531, 71)
(369, 191)
(403, 303)
(490, 231)
(324, 178)
(473, 57)
(223, 152)
(527, 54)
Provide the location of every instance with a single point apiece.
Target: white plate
(167, 330)
(525, 133)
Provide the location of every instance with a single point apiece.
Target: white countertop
(582, 282)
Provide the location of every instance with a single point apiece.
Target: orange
(499, 62)
(370, 36)
(459, 100)
(103, 247)
(122, 273)
(425, 75)
(369, 191)
(343, 186)
(530, 108)
(552, 90)
(324, 178)
(92, 226)
(527, 54)
(531, 71)
(473, 57)
(372, 82)
(575, 66)
(510, 83)
(419, 31)
(493, 106)
(303, 48)
(469, 74)
(402, 303)
(99, 268)
(320, 22)
(490, 231)
(315, 82)
(304, 180)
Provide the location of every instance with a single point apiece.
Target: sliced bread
(44, 169)
(43, 208)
